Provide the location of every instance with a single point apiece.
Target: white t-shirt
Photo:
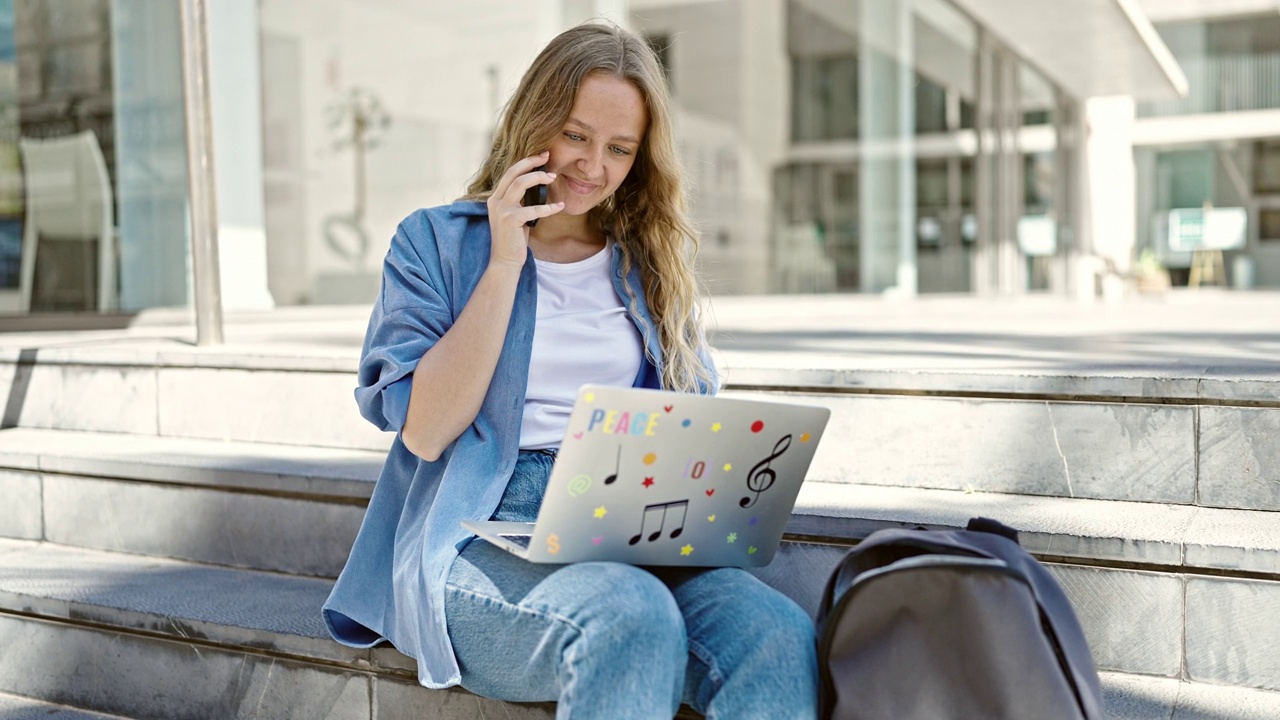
(583, 335)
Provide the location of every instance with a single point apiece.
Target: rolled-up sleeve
(412, 312)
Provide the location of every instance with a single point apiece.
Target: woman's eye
(620, 151)
(573, 136)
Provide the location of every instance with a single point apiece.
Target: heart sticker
(711, 492)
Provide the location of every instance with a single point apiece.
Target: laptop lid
(660, 478)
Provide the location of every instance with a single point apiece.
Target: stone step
(257, 645)
(1202, 630)
(295, 509)
(1198, 436)
(271, 507)
(14, 707)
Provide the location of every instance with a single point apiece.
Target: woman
(480, 401)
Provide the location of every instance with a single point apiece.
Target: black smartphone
(536, 195)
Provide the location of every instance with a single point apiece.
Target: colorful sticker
(579, 485)
(715, 427)
(804, 437)
(601, 512)
(733, 537)
(648, 482)
(751, 550)
(757, 426)
(686, 550)
(650, 459)
(589, 397)
(597, 540)
(553, 544)
(711, 518)
(687, 422)
(623, 422)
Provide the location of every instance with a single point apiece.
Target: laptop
(650, 477)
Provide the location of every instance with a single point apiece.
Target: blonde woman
(480, 402)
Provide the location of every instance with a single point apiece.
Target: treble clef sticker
(762, 476)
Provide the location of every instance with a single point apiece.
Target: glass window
(92, 157)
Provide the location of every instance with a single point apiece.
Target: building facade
(993, 147)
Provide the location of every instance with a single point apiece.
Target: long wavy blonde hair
(648, 214)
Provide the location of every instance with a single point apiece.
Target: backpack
(957, 624)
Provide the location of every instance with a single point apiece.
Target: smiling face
(598, 144)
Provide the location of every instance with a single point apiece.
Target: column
(886, 115)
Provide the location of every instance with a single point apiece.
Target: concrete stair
(174, 519)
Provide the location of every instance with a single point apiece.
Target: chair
(69, 198)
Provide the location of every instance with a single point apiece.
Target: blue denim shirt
(392, 587)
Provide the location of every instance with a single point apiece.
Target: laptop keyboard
(521, 540)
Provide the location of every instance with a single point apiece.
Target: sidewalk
(1188, 334)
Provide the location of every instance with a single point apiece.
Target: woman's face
(598, 144)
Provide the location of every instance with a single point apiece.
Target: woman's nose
(591, 162)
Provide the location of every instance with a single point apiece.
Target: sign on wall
(1192, 229)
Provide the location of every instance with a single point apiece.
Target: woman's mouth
(579, 187)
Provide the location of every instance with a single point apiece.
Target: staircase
(171, 519)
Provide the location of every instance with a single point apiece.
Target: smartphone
(536, 195)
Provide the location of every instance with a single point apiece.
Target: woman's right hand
(507, 217)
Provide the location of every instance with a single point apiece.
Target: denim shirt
(392, 587)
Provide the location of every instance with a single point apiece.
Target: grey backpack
(945, 624)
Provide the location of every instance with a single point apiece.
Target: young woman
(484, 331)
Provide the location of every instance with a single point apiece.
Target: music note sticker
(653, 511)
(762, 476)
(617, 465)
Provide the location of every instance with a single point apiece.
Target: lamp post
(206, 277)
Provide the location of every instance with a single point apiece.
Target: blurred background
(1095, 148)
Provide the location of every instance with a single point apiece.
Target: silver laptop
(658, 478)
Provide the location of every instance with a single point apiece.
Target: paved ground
(1184, 333)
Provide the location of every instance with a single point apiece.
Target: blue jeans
(615, 641)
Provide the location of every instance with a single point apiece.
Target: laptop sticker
(579, 485)
(553, 544)
(658, 512)
(617, 466)
(762, 476)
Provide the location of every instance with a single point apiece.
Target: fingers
(537, 212)
(522, 183)
(519, 168)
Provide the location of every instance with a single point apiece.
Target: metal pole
(206, 277)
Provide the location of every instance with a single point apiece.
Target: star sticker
(686, 550)
(715, 427)
(733, 537)
(648, 482)
(600, 511)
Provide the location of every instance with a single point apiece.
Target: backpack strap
(987, 525)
